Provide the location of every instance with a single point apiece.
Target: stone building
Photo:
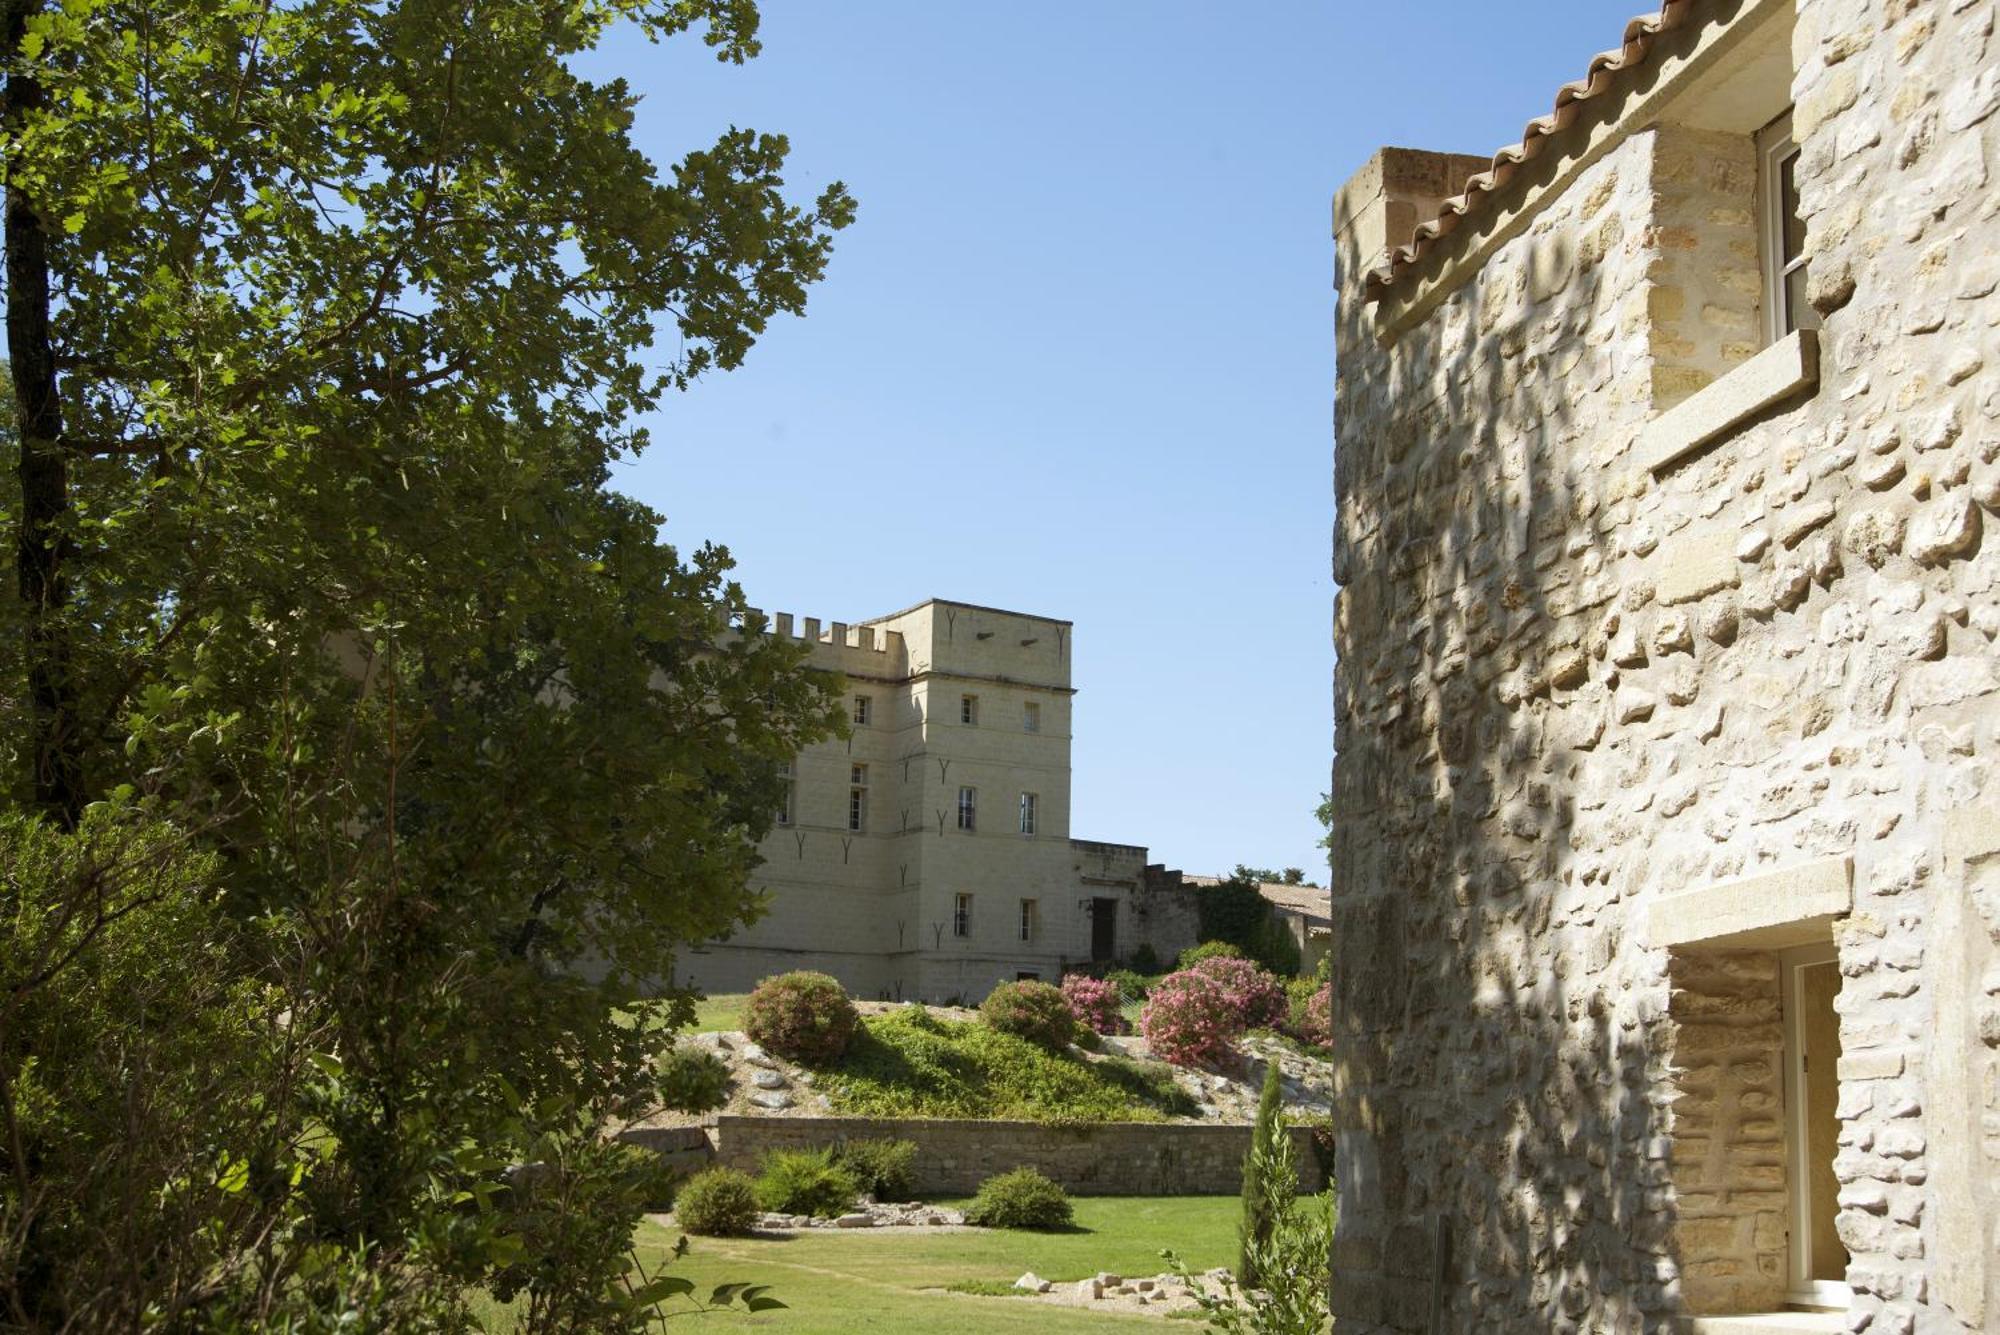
(1667, 848)
(928, 855)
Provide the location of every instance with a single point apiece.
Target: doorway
(1103, 930)
(1810, 977)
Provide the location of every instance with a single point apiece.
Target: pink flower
(1095, 1002)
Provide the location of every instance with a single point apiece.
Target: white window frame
(968, 809)
(1775, 146)
(961, 915)
(968, 710)
(857, 798)
(1030, 918)
(1029, 803)
(864, 709)
(1800, 1290)
(1031, 716)
(791, 782)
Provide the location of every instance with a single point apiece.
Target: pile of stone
(869, 1215)
(1167, 1290)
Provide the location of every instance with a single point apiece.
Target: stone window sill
(1778, 372)
(1773, 1323)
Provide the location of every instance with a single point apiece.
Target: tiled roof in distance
(1603, 75)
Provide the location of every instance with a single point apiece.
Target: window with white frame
(968, 709)
(1028, 804)
(1029, 912)
(968, 808)
(791, 771)
(1781, 236)
(864, 708)
(857, 797)
(961, 916)
(1031, 717)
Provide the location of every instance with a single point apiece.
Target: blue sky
(1076, 356)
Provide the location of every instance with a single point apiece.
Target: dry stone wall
(1096, 1158)
(1568, 687)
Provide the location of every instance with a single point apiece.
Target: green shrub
(717, 1203)
(882, 1168)
(1020, 1199)
(1131, 985)
(1209, 950)
(692, 1080)
(1036, 1011)
(1144, 960)
(1310, 1003)
(805, 1182)
(908, 1064)
(804, 1016)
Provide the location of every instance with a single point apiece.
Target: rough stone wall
(954, 1157)
(1567, 688)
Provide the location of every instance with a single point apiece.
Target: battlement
(835, 634)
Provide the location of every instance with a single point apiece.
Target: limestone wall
(954, 1157)
(1569, 686)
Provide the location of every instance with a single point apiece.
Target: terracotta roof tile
(1601, 77)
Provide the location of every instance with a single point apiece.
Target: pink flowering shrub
(1189, 1019)
(1095, 1002)
(1257, 998)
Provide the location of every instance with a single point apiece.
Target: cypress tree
(1262, 1198)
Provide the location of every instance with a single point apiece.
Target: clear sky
(1076, 356)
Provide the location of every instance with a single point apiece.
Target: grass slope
(913, 1064)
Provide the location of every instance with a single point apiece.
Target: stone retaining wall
(1101, 1158)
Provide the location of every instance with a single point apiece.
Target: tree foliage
(365, 754)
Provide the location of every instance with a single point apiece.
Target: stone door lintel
(1774, 910)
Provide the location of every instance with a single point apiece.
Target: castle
(1666, 909)
(928, 855)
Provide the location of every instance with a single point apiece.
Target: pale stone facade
(928, 855)
(1667, 841)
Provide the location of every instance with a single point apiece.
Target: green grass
(838, 1281)
(719, 1013)
(912, 1064)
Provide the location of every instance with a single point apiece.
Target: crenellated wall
(1662, 653)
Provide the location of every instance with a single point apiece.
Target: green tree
(325, 326)
(1261, 1197)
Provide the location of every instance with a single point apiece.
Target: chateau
(1666, 911)
(928, 856)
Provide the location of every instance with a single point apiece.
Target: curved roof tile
(1601, 77)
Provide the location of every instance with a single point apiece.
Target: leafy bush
(1022, 1198)
(1190, 1019)
(803, 1015)
(1291, 1258)
(1257, 998)
(692, 1080)
(1209, 950)
(1131, 985)
(911, 1064)
(1145, 960)
(805, 1182)
(882, 1168)
(1095, 1003)
(717, 1203)
(1311, 1019)
(1032, 1010)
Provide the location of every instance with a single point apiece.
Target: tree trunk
(55, 750)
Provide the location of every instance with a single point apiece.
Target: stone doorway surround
(1735, 1155)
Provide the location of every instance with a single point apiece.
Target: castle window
(857, 798)
(1028, 915)
(961, 916)
(785, 795)
(1782, 233)
(1031, 717)
(968, 808)
(1028, 803)
(968, 709)
(864, 706)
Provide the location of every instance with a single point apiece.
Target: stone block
(1693, 566)
(1792, 906)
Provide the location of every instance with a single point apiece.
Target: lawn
(837, 1281)
(712, 1015)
